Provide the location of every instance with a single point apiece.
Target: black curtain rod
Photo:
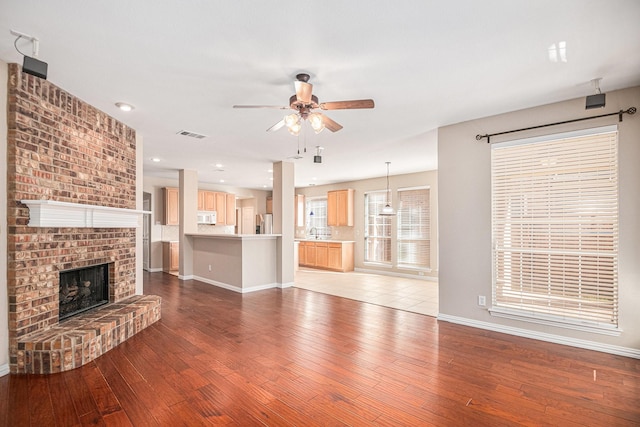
(630, 111)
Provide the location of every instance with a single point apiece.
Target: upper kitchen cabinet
(269, 205)
(221, 208)
(340, 207)
(231, 209)
(206, 200)
(171, 206)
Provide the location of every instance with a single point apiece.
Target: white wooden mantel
(50, 213)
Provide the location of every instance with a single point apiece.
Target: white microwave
(207, 217)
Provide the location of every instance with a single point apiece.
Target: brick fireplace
(64, 150)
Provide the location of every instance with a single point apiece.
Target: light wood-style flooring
(415, 295)
(295, 357)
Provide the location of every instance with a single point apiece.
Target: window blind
(414, 233)
(555, 227)
(377, 236)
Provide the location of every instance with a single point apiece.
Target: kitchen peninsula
(238, 262)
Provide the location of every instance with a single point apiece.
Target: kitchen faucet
(311, 232)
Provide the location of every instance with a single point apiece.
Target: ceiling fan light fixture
(316, 122)
(294, 129)
(291, 119)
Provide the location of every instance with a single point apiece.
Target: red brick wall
(60, 148)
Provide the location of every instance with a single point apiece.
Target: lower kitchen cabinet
(170, 256)
(336, 256)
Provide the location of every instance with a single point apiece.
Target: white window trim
(409, 267)
(550, 320)
(386, 264)
(544, 318)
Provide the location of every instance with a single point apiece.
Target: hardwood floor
(297, 357)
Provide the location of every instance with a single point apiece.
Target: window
(377, 235)
(555, 227)
(414, 234)
(317, 218)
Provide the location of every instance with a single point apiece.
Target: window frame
(384, 221)
(323, 231)
(405, 240)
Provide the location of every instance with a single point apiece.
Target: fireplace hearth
(82, 289)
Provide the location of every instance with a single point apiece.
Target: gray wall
(465, 218)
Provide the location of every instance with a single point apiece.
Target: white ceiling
(183, 64)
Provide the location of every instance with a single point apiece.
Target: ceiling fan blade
(276, 126)
(278, 107)
(347, 105)
(303, 91)
(330, 124)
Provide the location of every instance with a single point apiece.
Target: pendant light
(388, 210)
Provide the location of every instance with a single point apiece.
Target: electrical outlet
(209, 267)
(482, 300)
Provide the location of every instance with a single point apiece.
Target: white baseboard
(235, 288)
(154, 270)
(187, 277)
(543, 336)
(286, 285)
(4, 370)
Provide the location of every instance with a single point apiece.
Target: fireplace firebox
(82, 289)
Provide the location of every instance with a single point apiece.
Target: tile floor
(415, 295)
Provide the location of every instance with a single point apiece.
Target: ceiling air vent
(191, 134)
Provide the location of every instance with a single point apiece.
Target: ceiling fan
(304, 102)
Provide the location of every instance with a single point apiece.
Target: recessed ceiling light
(314, 178)
(124, 106)
(155, 159)
(222, 180)
(270, 170)
(271, 178)
(219, 165)
(264, 185)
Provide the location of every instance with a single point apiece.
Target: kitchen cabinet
(299, 210)
(310, 254)
(231, 209)
(171, 204)
(206, 200)
(302, 253)
(221, 208)
(340, 256)
(224, 204)
(322, 255)
(200, 200)
(336, 256)
(170, 256)
(269, 205)
(209, 201)
(340, 207)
